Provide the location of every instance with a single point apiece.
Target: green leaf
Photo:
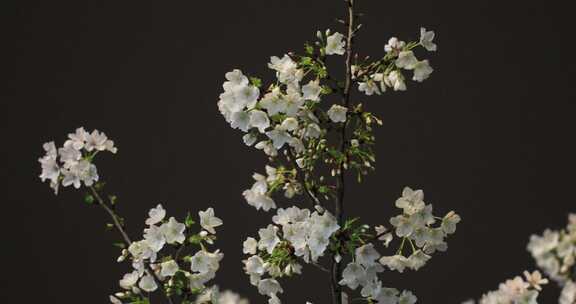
(309, 49)
(255, 81)
(306, 61)
(189, 221)
(195, 239)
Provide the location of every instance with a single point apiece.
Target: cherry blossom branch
(120, 228)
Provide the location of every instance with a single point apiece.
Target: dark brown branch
(340, 184)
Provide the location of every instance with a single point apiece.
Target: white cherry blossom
(279, 137)
(312, 90)
(259, 120)
(206, 262)
(169, 268)
(156, 215)
(337, 113)
(406, 60)
(426, 38)
(335, 44)
(422, 70)
(208, 221)
(130, 279)
(395, 80)
(155, 237)
(147, 283)
(268, 238)
(250, 246)
(394, 45)
(173, 231)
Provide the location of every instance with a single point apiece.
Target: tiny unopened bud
(338, 258)
(203, 233)
(120, 294)
(319, 35)
(319, 208)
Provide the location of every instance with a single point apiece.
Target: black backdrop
(489, 135)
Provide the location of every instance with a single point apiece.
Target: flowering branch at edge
(124, 235)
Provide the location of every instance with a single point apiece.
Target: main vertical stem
(336, 271)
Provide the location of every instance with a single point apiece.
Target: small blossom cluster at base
(296, 235)
(515, 291)
(414, 225)
(154, 262)
(555, 252)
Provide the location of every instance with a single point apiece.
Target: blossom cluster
(290, 114)
(72, 164)
(153, 266)
(399, 56)
(259, 195)
(363, 271)
(279, 117)
(296, 235)
(515, 291)
(213, 295)
(555, 253)
(415, 226)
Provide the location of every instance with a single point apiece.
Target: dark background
(489, 135)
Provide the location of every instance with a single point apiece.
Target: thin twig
(320, 267)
